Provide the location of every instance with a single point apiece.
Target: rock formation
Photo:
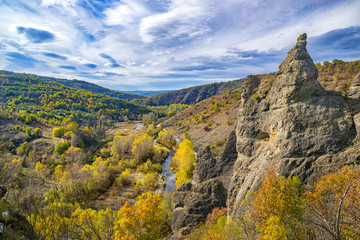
(193, 202)
(290, 124)
(298, 128)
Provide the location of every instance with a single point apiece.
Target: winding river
(169, 176)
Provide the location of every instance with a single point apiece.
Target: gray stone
(193, 202)
(208, 167)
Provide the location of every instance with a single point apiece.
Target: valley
(79, 161)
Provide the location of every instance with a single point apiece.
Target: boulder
(193, 202)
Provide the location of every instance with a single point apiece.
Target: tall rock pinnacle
(296, 77)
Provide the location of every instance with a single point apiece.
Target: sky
(170, 44)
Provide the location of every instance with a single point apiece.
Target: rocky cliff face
(298, 128)
(289, 123)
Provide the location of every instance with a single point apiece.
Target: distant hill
(78, 85)
(190, 95)
(36, 99)
(147, 93)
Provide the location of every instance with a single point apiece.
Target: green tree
(61, 147)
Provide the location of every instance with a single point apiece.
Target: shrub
(61, 147)
(143, 148)
(58, 132)
(29, 131)
(167, 138)
(38, 133)
(150, 181)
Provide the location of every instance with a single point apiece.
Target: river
(138, 126)
(169, 176)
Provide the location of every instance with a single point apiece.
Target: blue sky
(170, 44)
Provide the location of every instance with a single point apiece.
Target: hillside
(34, 99)
(77, 84)
(190, 95)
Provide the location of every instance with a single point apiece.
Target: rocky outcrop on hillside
(208, 167)
(193, 202)
(290, 124)
(208, 190)
(298, 128)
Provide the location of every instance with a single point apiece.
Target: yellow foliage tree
(143, 148)
(53, 222)
(278, 207)
(183, 162)
(167, 138)
(144, 220)
(334, 205)
(92, 224)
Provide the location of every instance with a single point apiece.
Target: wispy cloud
(169, 44)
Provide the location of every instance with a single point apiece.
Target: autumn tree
(121, 145)
(334, 205)
(58, 132)
(38, 133)
(91, 224)
(278, 207)
(75, 155)
(143, 148)
(23, 149)
(29, 131)
(183, 162)
(143, 221)
(167, 138)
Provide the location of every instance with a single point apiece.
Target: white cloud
(64, 3)
(127, 12)
(185, 19)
